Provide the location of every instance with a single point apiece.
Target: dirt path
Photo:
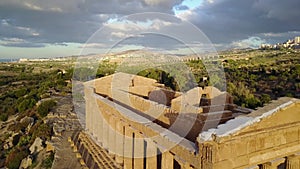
(65, 158)
(64, 122)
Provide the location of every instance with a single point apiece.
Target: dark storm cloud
(16, 42)
(49, 26)
(23, 45)
(229, 20)
(74, 21)
(127, 7)
(287, 11)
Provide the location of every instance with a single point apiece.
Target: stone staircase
(90, 154)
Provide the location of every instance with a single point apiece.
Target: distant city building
(138, 124)
(23, 60)
(289, 44)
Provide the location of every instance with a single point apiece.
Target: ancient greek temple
(134, 122)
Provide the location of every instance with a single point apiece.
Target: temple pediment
(279, 113)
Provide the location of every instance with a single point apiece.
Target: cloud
(287, 11)
(278, 37)
(16, 42)
(168, 3)
(225, 21)
(60, 44)
(251, 42)
(93, 45)
(8, 30)
(39, 26)
(146, 30)
(127, 7)
(72, 21)
(228, 22)
(181, 7)
(34, 7)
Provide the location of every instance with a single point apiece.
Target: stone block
(260, 142)
(241, 161)
(291, 135)
(251, 144)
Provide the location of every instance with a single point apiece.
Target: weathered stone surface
(49, 147)
(26, 163)
(37, 146)
(6, 146)
(27, 120)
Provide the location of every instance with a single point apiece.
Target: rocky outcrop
(29, 121)
(37, 146)
(26, 163)
(49, 147)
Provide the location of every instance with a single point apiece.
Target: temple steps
(93, 155)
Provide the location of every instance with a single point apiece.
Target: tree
(297, 70)
(265, 98)
(243, 96)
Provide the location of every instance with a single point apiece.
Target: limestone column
(112, 135)
(94, 120)
(128, 148)
(167, 161)
(119, 141)
(99, 128)
(186, 166)
(138, 151)
(90, 102)
(293, 162)
(273, 164)
(105, 133)
(151, 153)
(253, 167)
(267, 165)
(88, 122)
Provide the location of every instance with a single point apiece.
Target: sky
(54, 28)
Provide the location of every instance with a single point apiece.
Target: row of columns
(128, 146)
(273, 164)
(291, 162)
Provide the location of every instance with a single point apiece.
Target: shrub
(43, 131)
(47, 163)
(3, 116)
(45, 107)
(21, 92)
(27, 103)
(14, 158)
(265, 98)
(24, 140)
